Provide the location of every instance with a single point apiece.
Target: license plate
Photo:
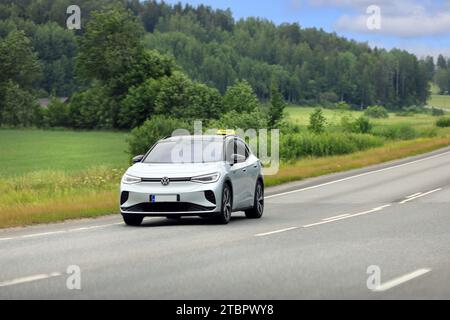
(163, 198)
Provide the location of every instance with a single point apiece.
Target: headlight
(127, 179)
(207, 178)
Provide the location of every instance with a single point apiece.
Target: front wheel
(132, 220)
(227, 205)
(258, 203)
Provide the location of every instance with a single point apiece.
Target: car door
(246, 166)
(237, 175)
(253, 172)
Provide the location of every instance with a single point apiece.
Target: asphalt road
(317, 240)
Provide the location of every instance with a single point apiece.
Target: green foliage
(19, 69)
(396, 132)
(18, 61)
(203, 102)
(241, 98)
(110, 45)
(342, 105)
(436, 112)
(19, 107)
(139, 104)
(443, 122)
(377, 112)
(56, 48)
(172, 97)
(295, 146)
(277, 106)
(412, 110)
(144, 137)
(317, 122)
(246, 120)
(308, 64)
(442, 79)
(360, 125)
(57, 114)
(94, 109)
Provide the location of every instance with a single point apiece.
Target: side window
(229, 151)
(242, 149)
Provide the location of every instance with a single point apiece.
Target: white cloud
(402, 18)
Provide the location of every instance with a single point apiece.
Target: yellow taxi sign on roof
(226, 132)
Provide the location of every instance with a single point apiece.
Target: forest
(199, 53)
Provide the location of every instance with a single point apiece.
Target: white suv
(206, 176)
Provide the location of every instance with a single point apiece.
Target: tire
(227, 205)
(258, 203)
(132, 220)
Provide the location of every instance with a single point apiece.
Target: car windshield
(187, 151)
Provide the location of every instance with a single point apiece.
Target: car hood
(147, 170)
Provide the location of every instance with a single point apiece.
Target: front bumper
(193, 198)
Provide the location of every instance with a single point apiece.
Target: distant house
(44, 102)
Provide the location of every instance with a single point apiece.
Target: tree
(442, 79)
(317, 122)
(94, 108)
(110, 45)
(19, 70)
(144, 137)
(240, 98)
(277, 106)
(19, 106)
(441, 62)
(139, 104)
(56, 48)
(18, 61)
(204, 103)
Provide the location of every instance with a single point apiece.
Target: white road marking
(347, 216)
(420, 196)
(357, 176)
(336, 217)
(275, 232)
(29, 279)
(325, 221)
(35, 235)
(414, 195)
(400, 280)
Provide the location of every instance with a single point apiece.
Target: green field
(300, 116)
(439, 101)
(25, 151)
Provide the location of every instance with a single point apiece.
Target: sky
(419, 26)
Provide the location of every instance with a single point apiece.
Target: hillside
(309, 65)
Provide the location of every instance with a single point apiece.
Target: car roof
(200, 137)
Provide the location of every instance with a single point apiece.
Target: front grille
(171, 179)
(167, 207)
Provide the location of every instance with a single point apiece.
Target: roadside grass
(27, 150)
(314, 167)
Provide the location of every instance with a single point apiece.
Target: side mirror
(237, 158)
(138, 159)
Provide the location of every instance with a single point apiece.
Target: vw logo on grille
(165, 181)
